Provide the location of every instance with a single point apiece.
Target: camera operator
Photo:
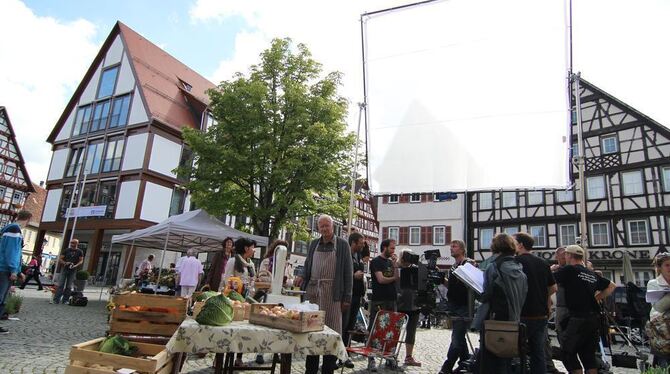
(385, 273)
(583, 290)
(457, 305)
(407, 303)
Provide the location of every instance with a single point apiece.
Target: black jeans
(459, 346)
(349, 319)
(36, 276)
(312, 364)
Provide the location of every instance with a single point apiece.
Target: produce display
(117, 345)
(217, 311)
(278, 311)
(233, 295)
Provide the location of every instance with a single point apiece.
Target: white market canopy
(194, 229)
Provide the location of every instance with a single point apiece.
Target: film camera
(423, 278)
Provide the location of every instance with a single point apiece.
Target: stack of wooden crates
(139, 318)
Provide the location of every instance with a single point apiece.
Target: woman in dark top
(219, 265)
(505, 288)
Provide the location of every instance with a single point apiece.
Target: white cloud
(43, 61)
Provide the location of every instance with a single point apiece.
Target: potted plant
(13, 304)
(80, 280)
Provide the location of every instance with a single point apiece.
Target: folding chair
(385, 338)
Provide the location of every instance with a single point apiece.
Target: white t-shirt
(189, 269)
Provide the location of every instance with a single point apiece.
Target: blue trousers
(5, 284)
(536, 331)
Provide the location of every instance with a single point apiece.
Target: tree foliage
(279, 149)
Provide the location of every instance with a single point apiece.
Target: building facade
(51, 243)
(15, 184)
(627, 189)
(116, 146)
(422, 221)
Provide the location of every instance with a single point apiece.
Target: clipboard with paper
(471, 276)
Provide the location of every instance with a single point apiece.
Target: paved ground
(40, 340)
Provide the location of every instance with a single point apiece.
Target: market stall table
(243, 337)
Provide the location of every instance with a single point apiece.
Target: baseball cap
(575, 250)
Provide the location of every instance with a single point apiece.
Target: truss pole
(361, 107)
(67, 220)
(81, 194)
(580, 160)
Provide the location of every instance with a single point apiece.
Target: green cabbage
(117, 345)
(217, 311)
(206, 295)
(236, 296)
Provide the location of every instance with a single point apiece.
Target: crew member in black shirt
(584, 289)
(457, 305)
(384, 271)
(541, 285)
(356, 243)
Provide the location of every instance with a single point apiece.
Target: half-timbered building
(15, 183)
(117, 144)
(627, 189)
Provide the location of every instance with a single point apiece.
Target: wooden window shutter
(385, 199)
(427, 235)
(424, 197)
(385, 233)
(447, 234)
(404, 198)
(404, 236)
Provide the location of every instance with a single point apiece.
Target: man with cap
(584, 289)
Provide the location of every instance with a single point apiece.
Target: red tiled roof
(160, 78)
(35, 203)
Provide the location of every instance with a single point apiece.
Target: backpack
(78, 299)
(658, 331)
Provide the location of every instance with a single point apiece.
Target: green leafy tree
(279, 148)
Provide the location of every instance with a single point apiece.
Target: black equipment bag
(78, 299)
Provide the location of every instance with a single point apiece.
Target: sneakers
(347, 364)
(372, 366)
(410, 361)
(3, 331)
(259, 359)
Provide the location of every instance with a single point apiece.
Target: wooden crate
(164, 317)
(85, 354)
(308, 321)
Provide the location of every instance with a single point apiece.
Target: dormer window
(107, 82)
(185, 85)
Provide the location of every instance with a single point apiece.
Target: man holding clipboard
(457, 306)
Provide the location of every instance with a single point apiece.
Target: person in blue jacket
(11, 243)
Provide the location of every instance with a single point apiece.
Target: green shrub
(13, 303)
(82, 275)
(656, 370)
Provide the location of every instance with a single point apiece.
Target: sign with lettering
(87, 211)
(605, 254)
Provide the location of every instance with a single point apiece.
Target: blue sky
(200, 45)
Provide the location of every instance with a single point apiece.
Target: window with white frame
(511, 230)
(563, 196)
(509, 199)
(568, 234)
(666, 179)
(595, 187)
(439, 235)
(394, 233)
(609, 144)
(638, 234)
(485, 200)
(632, 182)
(574, 150)
(539, 234)
(394, 199)
(414, 235)
(643, 277)
(485, 238)
(600, 234)
(415, 198)
(535, 197)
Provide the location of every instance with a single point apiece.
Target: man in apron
(327, 281)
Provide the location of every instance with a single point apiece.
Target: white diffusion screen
(467, 95)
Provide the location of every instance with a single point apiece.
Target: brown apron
(320, 288)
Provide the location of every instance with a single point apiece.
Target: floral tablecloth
(243, 337)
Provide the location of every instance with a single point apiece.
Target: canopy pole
(130, 251)
(160, 270)
(104, 274)
(352, 192)
(581, 160)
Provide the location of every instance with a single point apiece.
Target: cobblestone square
(39, 342)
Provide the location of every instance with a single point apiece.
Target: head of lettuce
(217, 311)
